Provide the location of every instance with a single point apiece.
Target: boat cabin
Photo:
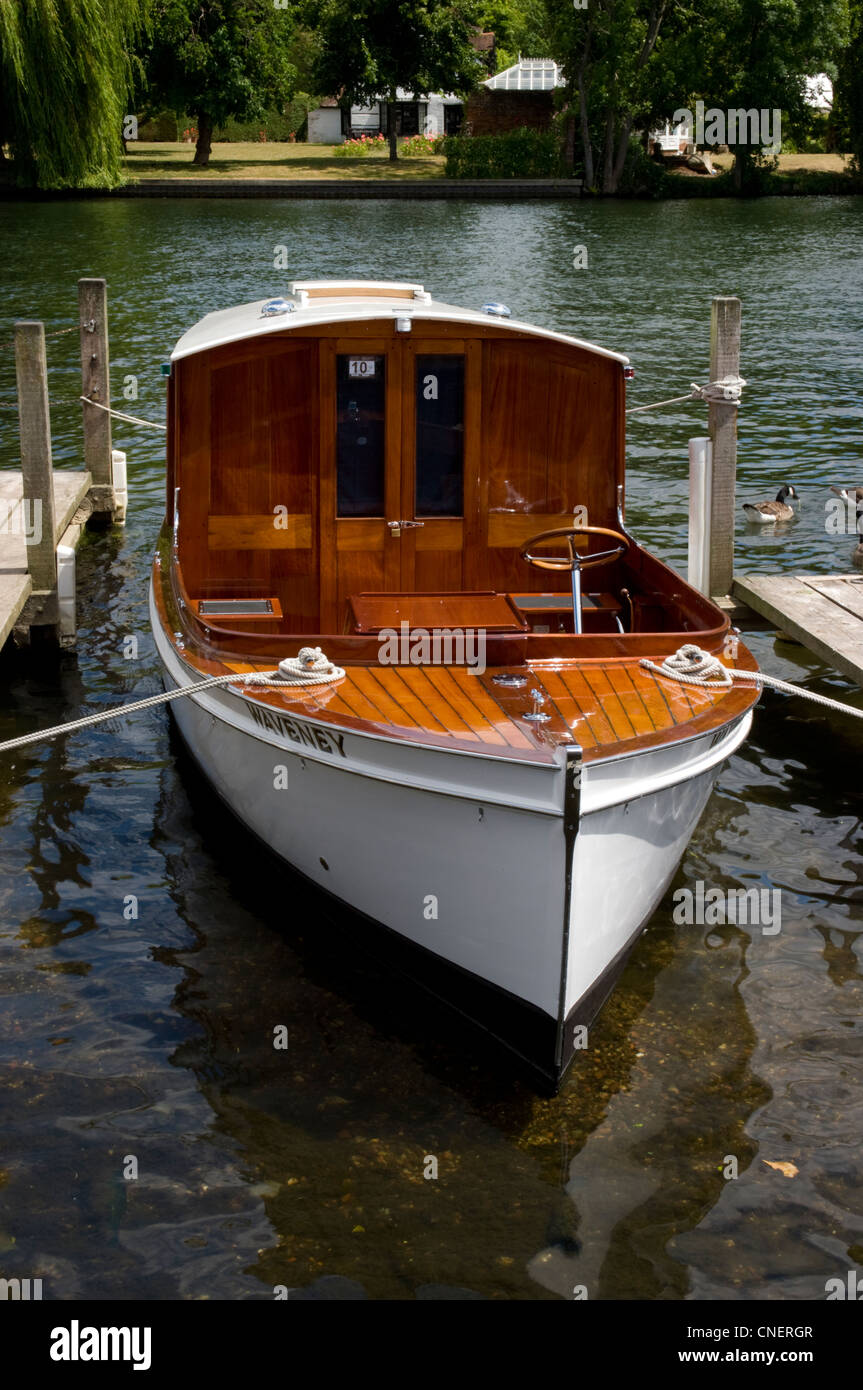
(355, 456)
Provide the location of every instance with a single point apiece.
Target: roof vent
(497, 309)
(276, 306)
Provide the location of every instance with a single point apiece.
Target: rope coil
(691, 665)
(309, 667)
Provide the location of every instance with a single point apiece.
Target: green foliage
(847, 119)
(361, 147)
(370, 48)
(642, 176)
(518, 154)
(519, 26)
(220, 59)
(420, 146)
(65, 78)
(285, 124)
(630, 64)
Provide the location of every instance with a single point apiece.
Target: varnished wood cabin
(371, 456)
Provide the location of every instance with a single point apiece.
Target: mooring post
(700, 484)
(38, 524)
(722, 426)
(96, 386)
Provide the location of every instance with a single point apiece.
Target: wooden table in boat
(490, 611)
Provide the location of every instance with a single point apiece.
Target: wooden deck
(70, 489)
(604, 706)
(823, 612)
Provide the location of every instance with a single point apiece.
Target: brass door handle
(396, 527)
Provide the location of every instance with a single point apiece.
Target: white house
(441, 113)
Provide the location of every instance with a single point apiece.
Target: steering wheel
(573, 561)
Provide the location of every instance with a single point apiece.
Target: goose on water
(765, 512)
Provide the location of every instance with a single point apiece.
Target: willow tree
(66, 72)
(214, 59)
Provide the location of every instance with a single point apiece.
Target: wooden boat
(360, 469)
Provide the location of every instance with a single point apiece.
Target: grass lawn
(793, 163)
(276, 160)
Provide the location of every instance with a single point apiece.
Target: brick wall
(492, 113)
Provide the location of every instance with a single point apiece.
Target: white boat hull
(466, 857)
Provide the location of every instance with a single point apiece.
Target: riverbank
(283, 170)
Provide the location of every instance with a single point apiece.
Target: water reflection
(152, 1036)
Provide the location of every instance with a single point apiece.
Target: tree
(219, 58)
(519, 27)
(847, 115)
(629, 62)
(609, 51)
(756, 55)
(371, 48)
(66, 69)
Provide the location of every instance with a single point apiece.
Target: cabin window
(440, 435)
(360, 397)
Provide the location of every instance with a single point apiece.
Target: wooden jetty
(822, 612)
(43, 509)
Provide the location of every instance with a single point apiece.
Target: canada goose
(849, 494)
(857, 553)
(779, 510)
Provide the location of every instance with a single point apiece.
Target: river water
(149, 1042)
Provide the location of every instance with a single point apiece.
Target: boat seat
(553, 612)
(493, 612)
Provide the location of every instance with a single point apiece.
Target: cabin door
(397, 489)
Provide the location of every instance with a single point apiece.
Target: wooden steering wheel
(573, 561)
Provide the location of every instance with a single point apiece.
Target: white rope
(691, 665)
(727, 391)
(310, 667)
(118, 415)
(693, 395)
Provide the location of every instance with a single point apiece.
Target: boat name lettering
(324, 740)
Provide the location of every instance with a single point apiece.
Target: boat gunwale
(212, 659)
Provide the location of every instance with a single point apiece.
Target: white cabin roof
(343, 301)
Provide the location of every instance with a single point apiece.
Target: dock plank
(70, 489)
(823, 612)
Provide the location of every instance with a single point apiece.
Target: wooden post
(722, 425)
(36, 465)
(96, 386)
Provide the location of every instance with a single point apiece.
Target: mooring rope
(698, 393)
(691, 665)
(309, 667)
(116, 710)
(119, 415)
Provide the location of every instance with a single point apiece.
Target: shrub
(362, 146)
(518, 154)
(414, 145)
(642, 176)
(275, 125)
